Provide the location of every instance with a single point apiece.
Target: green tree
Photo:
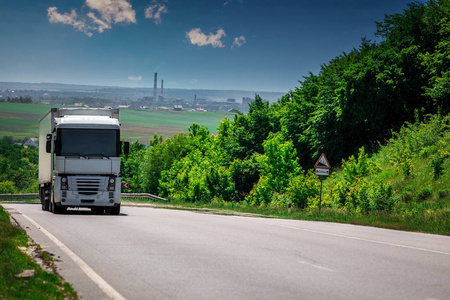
(277, 165)
(7, 187)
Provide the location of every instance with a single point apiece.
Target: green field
(22, 121)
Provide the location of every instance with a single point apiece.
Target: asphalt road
(149, 253)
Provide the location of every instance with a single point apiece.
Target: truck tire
(115, 210)
(98, 210)
(46, 203)
(55, 208)
(58, 209)
(44, 196)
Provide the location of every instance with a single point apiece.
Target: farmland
(22, 121)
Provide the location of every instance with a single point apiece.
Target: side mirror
(48, 145)
(126, 148)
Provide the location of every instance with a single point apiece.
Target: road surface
(149, 253)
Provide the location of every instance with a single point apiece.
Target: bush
(424, 194)
(381, 198)
(437, 163)
(7, 187)
(303, 187)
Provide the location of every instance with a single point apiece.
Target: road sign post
(322, 168)
(320, 197)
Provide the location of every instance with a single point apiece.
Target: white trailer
(79, 159)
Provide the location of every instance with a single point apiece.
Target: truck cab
(80, 163)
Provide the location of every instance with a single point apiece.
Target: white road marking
(103, 285)
(315, 266)
(362, 239)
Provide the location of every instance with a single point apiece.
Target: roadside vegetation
(379, 113)
(36, 283)
(18, 167)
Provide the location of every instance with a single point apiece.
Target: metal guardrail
(142, 195)
(19, 196)
(123, 195)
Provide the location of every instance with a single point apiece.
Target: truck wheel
(98, 210)
(58, 209)
(46, 205)
(115, 210)
(44, 195)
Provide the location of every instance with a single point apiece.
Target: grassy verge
(437, 222)
(43, 285)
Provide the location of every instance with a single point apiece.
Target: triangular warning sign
(322, 163)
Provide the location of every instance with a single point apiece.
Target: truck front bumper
(87, 191)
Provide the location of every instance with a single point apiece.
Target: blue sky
(205, 44)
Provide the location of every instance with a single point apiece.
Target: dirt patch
(132, 131)
(19, 115)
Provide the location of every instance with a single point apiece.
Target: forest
(18, 167)
(378, 112)
(358, 99)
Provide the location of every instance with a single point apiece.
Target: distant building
(31, 142)
(233, 110)
(80, 104)
(231, 100)
(178, 107)
(246, 101)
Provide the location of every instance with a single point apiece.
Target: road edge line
(97, 279)
(366, 240)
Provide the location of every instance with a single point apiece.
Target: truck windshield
(88, 142)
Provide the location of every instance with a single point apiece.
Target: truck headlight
(112, 184)
(64, 183)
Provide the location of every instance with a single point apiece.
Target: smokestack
(155, 86)
(162, 87)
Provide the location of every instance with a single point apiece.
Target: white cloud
(197, 37)
(113, 10)
(135, 78)
(102, 14)
(229, 1)
(239, 41)
(155, 10)
(101, 25)
(68, 19)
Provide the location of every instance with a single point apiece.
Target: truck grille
(89, 186)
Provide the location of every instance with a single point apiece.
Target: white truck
(79, 159)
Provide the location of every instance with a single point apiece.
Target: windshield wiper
(74, 154)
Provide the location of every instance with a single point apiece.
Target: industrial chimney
(155, 86)
(162, 88)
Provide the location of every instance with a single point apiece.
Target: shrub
(357, 168)
(7, 187)
(443, 194)
(381, 198)
(303, 187)
(437, 163)
(424, 194)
